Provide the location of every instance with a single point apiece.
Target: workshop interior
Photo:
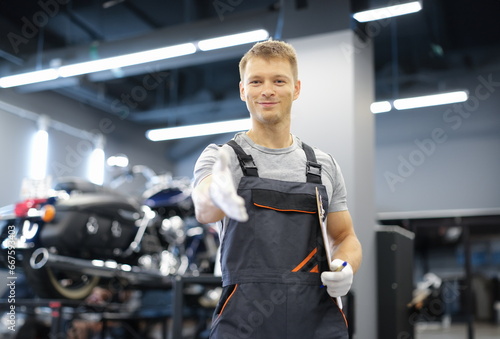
(105, 105)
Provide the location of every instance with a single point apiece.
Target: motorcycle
(81, 235)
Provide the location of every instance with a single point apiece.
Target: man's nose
(267, 90)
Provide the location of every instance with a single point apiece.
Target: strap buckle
(313, 168)
(248, 165)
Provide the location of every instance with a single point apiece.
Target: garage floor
(434, 331)
(457, 331)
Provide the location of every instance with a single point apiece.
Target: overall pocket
(287, 230)
(284, 202)
(227, 294)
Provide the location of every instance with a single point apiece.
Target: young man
(262, 187)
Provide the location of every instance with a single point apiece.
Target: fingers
(338, 282)
(336, 285)
(223, 192)
(231, 204)
(222, 162)
(336, 277)
(235, 209)
(337, 265)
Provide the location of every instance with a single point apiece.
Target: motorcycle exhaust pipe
(135, 275)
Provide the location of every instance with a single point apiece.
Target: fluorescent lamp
(233, 40)
(28, 78)
(39, 153)
(117, 161)
(198, 130)
(127, 60)
(431, 100)
(98, 65)
(380, 107)
(388, 12)
(132, 59)
(96, 166)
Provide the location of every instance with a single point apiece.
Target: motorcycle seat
(71, 184)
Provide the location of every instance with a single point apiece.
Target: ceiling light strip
(127, 60)
(132, 59)
(380, 107)
(388, 12)
(233, 40)
(28, 78)
(431, 100)
(181, 132)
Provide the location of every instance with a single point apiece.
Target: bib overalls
(271, 264)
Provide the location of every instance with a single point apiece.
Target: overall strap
(313, 169)
(246, 161)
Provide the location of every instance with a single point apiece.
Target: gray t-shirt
(287, 164)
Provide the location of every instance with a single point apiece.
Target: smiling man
(265, 188)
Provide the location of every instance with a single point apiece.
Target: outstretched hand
(223, 192)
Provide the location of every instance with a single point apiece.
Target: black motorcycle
(83, 235)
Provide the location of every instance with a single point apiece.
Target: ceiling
(446, 39)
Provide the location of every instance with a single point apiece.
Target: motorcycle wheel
(59, 284)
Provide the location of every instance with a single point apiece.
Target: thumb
(338, 265)
(222, 160)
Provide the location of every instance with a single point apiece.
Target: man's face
(268, 88)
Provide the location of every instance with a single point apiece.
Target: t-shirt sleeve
(338, 199)
(204, 164)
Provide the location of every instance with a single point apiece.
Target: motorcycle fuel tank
(97, 225)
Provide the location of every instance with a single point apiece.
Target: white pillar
(333, 114)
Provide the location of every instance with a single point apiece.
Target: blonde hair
(271, 49)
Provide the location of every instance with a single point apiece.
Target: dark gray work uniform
(271, 264)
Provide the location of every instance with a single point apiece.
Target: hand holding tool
(339, 280)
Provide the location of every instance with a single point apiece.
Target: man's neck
(271, 138)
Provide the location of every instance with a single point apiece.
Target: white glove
(223, 192)
(338, 282)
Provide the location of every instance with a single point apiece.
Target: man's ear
(242, 92)
(296, 91)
